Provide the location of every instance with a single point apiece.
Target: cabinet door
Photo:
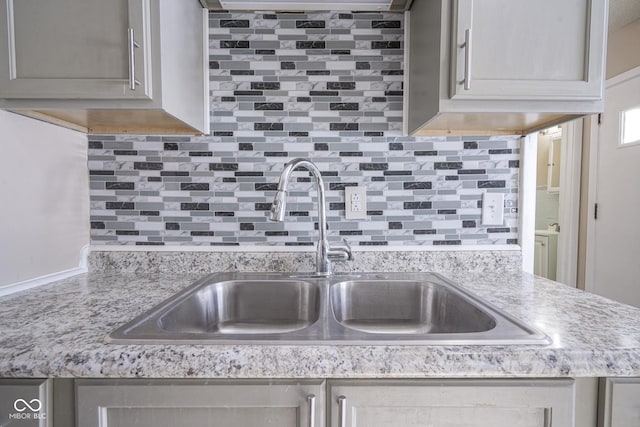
(453, 403)
(553, 165)
(541, 256)
(621, 397)
(527, 50)
(74, 49)
(138, 403)
(25, 402)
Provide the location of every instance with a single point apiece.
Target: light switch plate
(492, 209)
(355, 202)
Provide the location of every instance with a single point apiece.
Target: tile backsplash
(324, 86)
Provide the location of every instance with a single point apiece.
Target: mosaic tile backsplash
(324, 86)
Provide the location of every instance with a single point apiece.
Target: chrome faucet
(326, 253)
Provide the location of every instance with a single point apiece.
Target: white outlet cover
(355, 202)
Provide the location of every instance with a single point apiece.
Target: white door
(613, 267)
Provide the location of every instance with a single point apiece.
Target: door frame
(595, 137)
(527, 199)
(569, 203)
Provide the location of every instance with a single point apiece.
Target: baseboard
(39, 281)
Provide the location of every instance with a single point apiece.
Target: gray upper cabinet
(540, 50)
(136, 66)
(88, 57)
(502, 66)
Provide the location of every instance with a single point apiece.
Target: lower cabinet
(545, 256)
(620, 402)
(584, 402)
(462, 403)
(351, 403)
(25, 402)
(159, 403)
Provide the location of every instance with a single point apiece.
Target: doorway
(547, 202)
(557, 208)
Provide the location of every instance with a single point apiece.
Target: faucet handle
(347, 247)
(340, 252)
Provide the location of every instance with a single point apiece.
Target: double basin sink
(368, 308)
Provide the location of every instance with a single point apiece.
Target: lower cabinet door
(453, 403)
(541, 256)
(173, 403)
(620, 398)
(25, 402)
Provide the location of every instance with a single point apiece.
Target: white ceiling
(622, 12)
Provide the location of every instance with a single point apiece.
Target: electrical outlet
(355, 202)
(492, 209)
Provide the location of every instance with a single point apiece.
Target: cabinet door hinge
(595, 212)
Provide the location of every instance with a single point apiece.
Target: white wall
(622, 49)
(547, 208)
(44, 199)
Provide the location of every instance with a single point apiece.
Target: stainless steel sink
(405, 307)
(362, 308)
(245, 307)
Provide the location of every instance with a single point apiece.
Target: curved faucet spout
(278, 208)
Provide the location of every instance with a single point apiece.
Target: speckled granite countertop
(59, 330)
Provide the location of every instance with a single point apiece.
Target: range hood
(302, 5)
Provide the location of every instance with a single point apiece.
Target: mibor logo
(22, 405)
(27, 410)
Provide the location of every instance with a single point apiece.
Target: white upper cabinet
(137, 66)
(502, 66)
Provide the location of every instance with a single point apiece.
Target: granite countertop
(58, 331)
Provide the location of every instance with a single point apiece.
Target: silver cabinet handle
(548, 417)
(311, 401)
(467, 59)
(342, 411)
(133, 44)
